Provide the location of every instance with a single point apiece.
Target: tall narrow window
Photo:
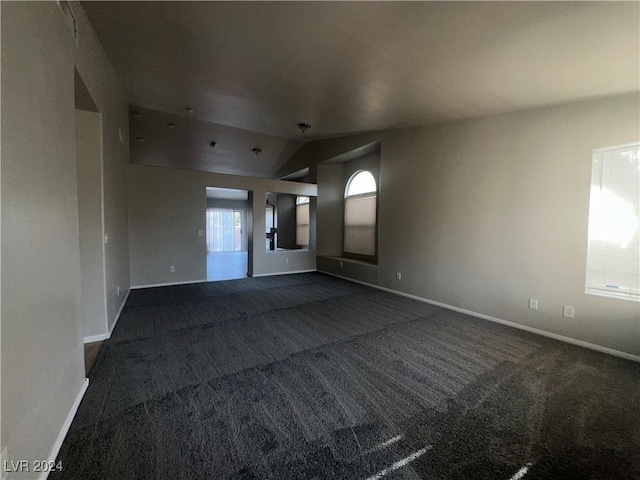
(360, 215)
(613, 254)
(302, 221)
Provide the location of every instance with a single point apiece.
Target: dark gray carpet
(308, 376)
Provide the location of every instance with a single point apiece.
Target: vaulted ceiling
(358, 66)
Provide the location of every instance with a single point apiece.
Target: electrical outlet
(341, 264)
(201, 233)
(398, 276)
(118, 290)
(286, 260)
(568, 311)
(172, 269)
(533, 303)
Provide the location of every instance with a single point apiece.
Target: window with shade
(360, 200)
(302, 221)
(613, 252)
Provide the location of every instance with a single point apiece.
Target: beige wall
(42, 367)
(330, 208)
(167, 209)
(42, 349)
(93, 307)
(483, 214)
(105, 89)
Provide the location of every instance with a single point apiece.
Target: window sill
(289, 250)
(352, 260)
(619, 296)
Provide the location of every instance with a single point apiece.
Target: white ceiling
(227, 193)
(359, 66)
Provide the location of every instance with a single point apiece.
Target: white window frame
(302, 204)
(614, 225)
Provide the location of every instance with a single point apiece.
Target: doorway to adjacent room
(226, 233)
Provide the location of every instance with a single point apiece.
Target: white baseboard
(189, 282)
(281, 273)
(96, 338)
(544, 333)
(106, 336)
(65, 427)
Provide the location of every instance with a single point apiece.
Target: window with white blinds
(220, 230)
(360, 215)
(302, 221)
(613, 254)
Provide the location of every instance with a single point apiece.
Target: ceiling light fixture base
(304, 127)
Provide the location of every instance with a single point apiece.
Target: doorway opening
(226, 233)
(93, 293)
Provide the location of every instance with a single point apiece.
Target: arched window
(302, 221)
(360, 214)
